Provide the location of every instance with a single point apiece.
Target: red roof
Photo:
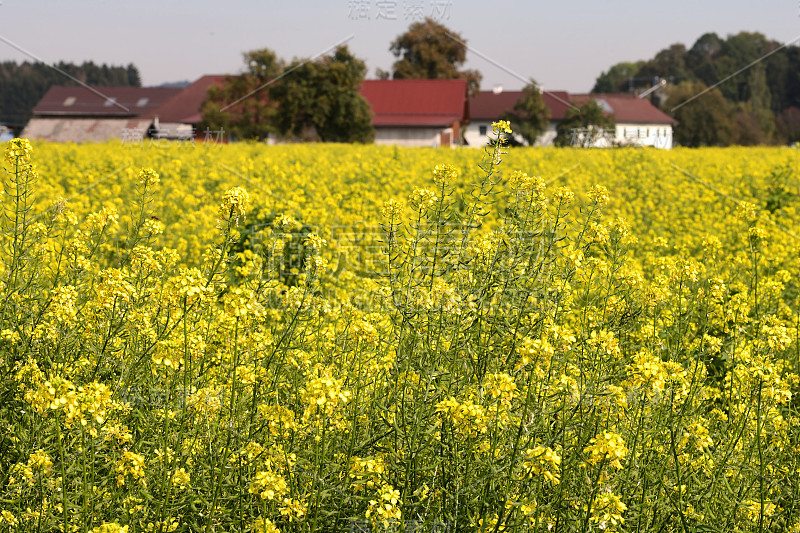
(627, 108)
(490, 106)
(185, 106)
(79, 101)
(416, 102)
(558, 102)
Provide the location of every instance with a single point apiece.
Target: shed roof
(416, 102)
(184, 107)
(112, 101)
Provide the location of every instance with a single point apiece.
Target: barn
(81, 114)
(418, 112)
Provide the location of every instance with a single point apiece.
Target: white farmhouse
(489, 106)
(638, 122)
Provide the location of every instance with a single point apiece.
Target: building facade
(418, 112)
(638, 122)
(82, 114)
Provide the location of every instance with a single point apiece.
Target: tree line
(22, 85)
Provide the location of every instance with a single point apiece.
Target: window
(109, 102)
(142, 102)
(69, 101)
(482, 130)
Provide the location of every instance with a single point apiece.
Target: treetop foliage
(319, 101)
(429, 50)
(530, 115)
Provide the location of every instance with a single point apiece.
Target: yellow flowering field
(249, 338)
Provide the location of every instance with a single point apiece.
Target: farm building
(81, 114)
(489, 106)
(417, 112)
(638, 122)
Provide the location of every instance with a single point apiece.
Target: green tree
(616, 79)
(320, 100)
(789, 124)
(701, 58)
(738, 51)
(429, 50)
(746, 130)
(588, 116)
(530, 116)
(703, 121)
(759, 103)
(792, 96)
(132, 74)
(669, 63)
(313, 100)
(241, 104)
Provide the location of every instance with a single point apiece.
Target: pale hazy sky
(562, 44)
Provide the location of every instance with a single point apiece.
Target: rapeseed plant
(497, 353)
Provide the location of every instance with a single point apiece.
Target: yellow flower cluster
(234, 205)
(501, 126)
(268, 485)
(608, 447)
(444, 175)
(18, 152)
(607, 511)
(110, 527)
(322, 395)
(467, 417)
(148, 177)
(385, 509)
(130, 464)
(542, 461)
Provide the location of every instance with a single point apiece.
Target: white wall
(472, 133)
(656, 135)
(473, 136)
(65, 129)
(548, 136)
(408, 136)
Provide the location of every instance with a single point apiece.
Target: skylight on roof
(605, 106)
(68, 101)
(142, 102)
(109, 102)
